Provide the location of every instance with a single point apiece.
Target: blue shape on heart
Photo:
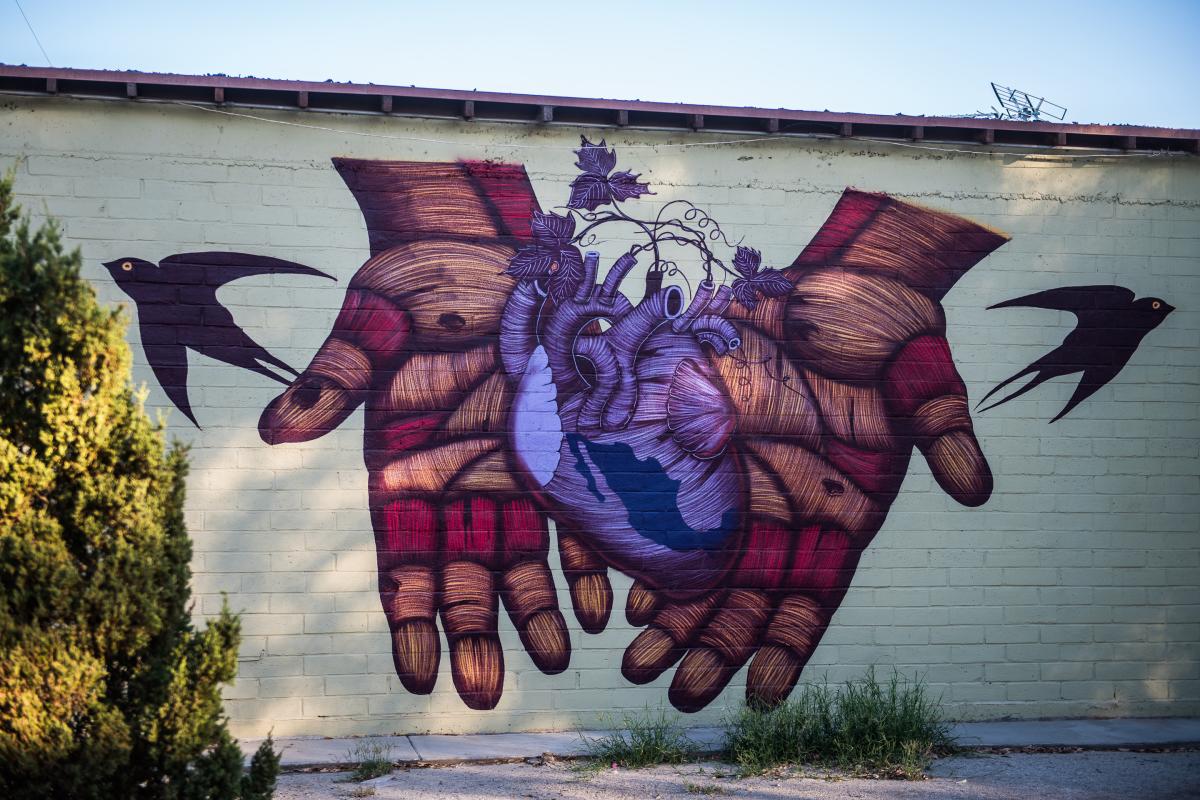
(573, 440)
(650, 496)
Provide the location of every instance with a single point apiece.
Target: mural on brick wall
(732, 445)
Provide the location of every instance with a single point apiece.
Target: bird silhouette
(178, 310)
(1110, 326)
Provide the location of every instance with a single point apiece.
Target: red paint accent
(407, 433)
(847, 220)
(878, 474)
(471, 531)
(507, 188)
(931, 249)
(767, 550)
(921, 371)
(374, 324)
(525, 532)
(409, 534)
(825, 561)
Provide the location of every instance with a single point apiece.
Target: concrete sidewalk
(1087, 733)
(1091, 774)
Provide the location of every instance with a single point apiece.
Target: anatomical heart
(733, 445)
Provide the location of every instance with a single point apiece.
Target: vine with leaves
(597, 199)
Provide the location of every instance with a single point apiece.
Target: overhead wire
(29, 25)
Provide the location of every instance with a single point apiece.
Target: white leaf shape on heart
(537, 431)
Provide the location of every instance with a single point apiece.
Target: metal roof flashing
(355, 98)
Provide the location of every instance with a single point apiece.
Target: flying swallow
(1110, 326)
(178, 310)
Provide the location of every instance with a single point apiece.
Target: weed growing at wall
(641, 740)
(370, 759)
(869, 727)
(106, 690)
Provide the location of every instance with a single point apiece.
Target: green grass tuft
(642, 740)
(867, 727)
(371, 759)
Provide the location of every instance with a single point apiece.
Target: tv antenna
(1016, 104)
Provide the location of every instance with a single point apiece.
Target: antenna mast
(1016, 104)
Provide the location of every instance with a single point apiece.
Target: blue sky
(1107, 62)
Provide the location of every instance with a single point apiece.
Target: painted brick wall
(1072, 591)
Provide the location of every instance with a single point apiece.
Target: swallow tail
(170, 365)
(1089, 384)
(260, 356)
(1042, 375)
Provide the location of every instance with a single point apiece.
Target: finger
(729, 639)
(587, 578)
(469, 614)
(959, 466)
(922, 384)
(808, 572)
(666, 638)
(792, 635)
(724, 644)
(641, 604)
(721, 631)
(469, 602)
(528, 588)
(368, 336)
(406, 548)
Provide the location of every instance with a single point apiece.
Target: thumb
(923, 387)
(368, 337)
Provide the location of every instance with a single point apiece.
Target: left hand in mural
(457, 530)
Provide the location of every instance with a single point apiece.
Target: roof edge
(548, 109)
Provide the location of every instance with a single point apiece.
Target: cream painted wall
(1074, 591)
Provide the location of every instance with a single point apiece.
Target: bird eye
(128, 267)
(1156, 305)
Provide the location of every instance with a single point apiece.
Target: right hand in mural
(832, 388)
(737, 457)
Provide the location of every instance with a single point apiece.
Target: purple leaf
(745, 294)
(595, 187)
(570, 263)
(559, 290)
(772, 283)
(595, 158)
(551, 231)
(589, 191)
(746, 261)
(625, 186)
(565, 279)
(531, 262)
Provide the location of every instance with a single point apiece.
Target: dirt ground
(1043, 776)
